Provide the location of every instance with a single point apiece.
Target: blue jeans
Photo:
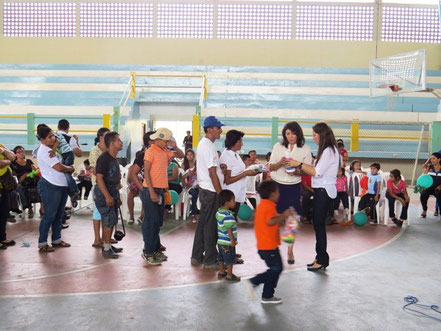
(194, 192)
(68, 160)
(270, 277)
(153, 219)
(54, 200)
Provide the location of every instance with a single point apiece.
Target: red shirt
(307, 180)
(268, 236)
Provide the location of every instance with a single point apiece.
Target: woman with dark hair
(432, 168)
(135, 177)
(324, 179)
(190, 182)
(22, 167)
(292, 147)
(235, 173)
(52, 188)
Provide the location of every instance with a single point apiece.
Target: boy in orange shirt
(266, 228)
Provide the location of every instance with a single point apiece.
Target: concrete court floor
(363, 292)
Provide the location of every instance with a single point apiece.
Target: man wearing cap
(210, 180)
(152, 195)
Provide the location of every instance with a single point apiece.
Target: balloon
(425, 181)
(360, 218)
(244, 212)
(174, 197)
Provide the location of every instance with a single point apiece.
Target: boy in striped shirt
(227, 236)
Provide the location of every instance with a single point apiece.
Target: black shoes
(397, 222)
(311, 268)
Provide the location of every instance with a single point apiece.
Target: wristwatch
(300, 166)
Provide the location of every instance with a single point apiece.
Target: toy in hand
(34, 173)
(290, 231)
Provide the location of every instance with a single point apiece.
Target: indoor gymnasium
(228, 164)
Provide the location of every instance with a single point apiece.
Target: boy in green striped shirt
(227, 236)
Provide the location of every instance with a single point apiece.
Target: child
(342, 193)
(396, 189)
(266, 228)
(227, 236)
(343, 152)
(372, 195)
(85, 178)
(267, 174)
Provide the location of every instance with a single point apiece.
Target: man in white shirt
(210, 179)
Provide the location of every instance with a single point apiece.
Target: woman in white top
(235, 175)
(52, 188)
(324, 178)
(292, 147)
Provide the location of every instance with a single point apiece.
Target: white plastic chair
(251, 190)
(186, 198)
(356, 177)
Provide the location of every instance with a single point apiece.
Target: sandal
(8, 242)
(140, 219)
(113, 241)
(3, 247)
(61, 244)
(98, 245)
(221, 276)
(46, 249)
(239, 261)
(30, 213)
(238, 256)
(233, 278)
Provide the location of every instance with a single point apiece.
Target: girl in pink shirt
(396, 190)
(342, 193)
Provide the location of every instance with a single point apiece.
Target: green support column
(30, 128)
(274, 130)
(435, 139)
(116, 118)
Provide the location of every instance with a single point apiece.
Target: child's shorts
(227, 254)
(96, 214)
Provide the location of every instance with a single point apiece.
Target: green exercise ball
(244, 212)
(360, 218)
(174, 197)
(425, 181)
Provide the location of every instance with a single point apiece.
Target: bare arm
(231, 235)
(77, 152)
(133, 174)
(4, 163)
(178, 153)
(279, 219)
(215, 179)
(62, 168)
(175, 174)
(278, 165)
(7, 153)
(232, 179)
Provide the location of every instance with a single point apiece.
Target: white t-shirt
(301, 154)
(207, 158)
(46, 164)
(234, 162)
(326, 171)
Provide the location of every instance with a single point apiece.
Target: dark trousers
(87, 184)
(205, 237)
(175, 187)
(194, 192)
(54, 200)
(343, 197)
(289, 197)
(427, 193)
(322, 202)
(392, 206)
(307, 204)
(368, 200)
(153, 220)
(270, 277)
(4, 213)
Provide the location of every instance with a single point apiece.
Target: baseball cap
(162, 133)
(212, 121)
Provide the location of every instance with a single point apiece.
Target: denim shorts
(227, 254)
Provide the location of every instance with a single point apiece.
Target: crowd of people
(293, 181)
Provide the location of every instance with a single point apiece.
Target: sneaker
(273, 300)
(117, 249)
(130, 222)
(397, 222)
(161, 256)
(110, 254)
(140, 219)
(151, 259)
(435, 213)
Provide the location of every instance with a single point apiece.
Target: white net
(402, 73)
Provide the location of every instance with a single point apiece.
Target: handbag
(8, 181)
